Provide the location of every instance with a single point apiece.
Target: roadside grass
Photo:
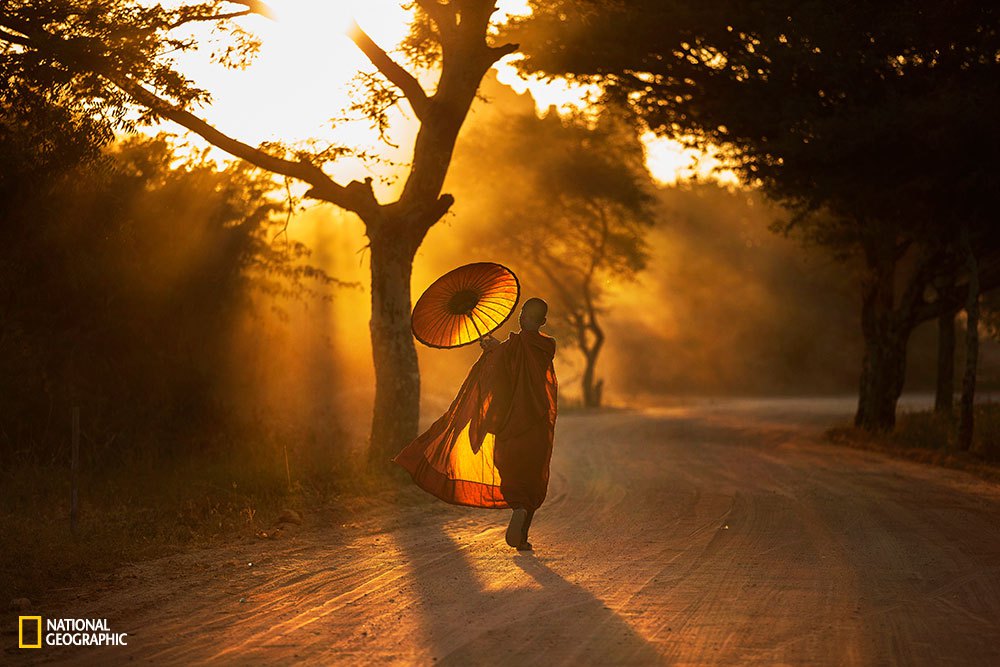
(929, 437)
(144, 510)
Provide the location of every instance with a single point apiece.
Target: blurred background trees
(573, 218)
(867, 123)
(123, 278)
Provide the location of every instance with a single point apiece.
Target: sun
(302, 20)
(300, 80)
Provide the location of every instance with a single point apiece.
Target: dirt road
(717, 533)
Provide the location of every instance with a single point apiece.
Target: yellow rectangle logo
(20, 631)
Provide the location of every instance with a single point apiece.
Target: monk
(492, 447)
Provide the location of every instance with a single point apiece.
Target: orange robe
(493, 445)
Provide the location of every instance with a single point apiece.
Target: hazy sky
(302, 76)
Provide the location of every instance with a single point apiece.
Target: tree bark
(886, 335)
(396, 415)
(944, 395)
(591, 388)
(591, 340)
(966, 418)
(882, 376)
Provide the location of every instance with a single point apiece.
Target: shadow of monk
(512, 610)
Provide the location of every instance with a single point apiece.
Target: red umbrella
(465, 304)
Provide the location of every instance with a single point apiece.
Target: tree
(118, 52)
(575, 222)
(865, 114)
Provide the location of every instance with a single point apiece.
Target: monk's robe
(493, 445)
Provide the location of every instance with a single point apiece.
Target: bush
(929, 437)
(122, 281)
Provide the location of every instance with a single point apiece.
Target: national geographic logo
(29, 632)
(67, 632)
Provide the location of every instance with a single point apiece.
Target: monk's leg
(515, 529)
(525, 544)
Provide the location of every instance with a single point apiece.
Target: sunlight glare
(301, 80)
(670, 161)
(566, 96)
(299, 20)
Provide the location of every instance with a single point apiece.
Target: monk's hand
(488, 342)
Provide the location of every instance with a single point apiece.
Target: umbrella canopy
(465, 304)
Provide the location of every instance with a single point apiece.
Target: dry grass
(136, 513)
(928, 437)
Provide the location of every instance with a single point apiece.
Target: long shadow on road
(481, 603)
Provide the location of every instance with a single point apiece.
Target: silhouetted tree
(572, 219)
(867, 114)
(583, 227)
(119, 52)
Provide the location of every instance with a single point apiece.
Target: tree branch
(12, 38)
(255, 7)
(543, 261)
(357, 197)
(252, 7)
(399, 77)
(503, 50)
(598, 257)
(954, 298)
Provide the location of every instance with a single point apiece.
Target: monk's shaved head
(533, 314)
(536, 307)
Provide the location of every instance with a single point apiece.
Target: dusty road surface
(716, 533)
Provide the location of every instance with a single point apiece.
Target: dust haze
(726, 306)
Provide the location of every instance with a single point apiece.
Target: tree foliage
(871, 114)
(868, 110)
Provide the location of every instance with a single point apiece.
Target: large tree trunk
(882, 375)
(944, 395)
(966, 416)
(886, 335)
(397, 376)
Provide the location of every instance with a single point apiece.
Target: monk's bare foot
(515, 530)
(524, 546)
